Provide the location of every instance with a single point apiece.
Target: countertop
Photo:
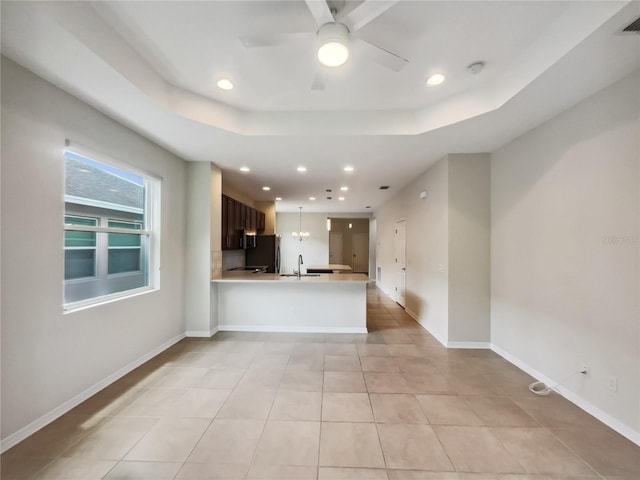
(332, 266)
(244, 276)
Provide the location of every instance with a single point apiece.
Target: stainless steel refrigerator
(266, 252)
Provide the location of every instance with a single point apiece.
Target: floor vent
(634, 27)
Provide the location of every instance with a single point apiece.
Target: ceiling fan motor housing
(333, 44)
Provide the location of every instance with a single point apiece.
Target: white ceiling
(153, 66)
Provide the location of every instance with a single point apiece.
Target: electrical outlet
(612, 383)
(585, 369)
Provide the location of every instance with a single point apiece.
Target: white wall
(469, 248)
(237, 194)
(314, 250)
(48, 357)
(427, 247)
(564, 251)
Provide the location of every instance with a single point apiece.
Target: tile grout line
(601, 476)
(320, 433)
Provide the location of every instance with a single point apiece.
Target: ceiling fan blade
(319, 81)
(320, 11)
(379, 55)
(256, 41)
(365, 13)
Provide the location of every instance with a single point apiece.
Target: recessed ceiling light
(301, 169)
(344, 189)
(225, 84)
(278, 199)
(312, 198)
(114, 190)
(266, 189)
(83, 170)
(348, 168)
(245, 169)
(435, 79)
(341, 198)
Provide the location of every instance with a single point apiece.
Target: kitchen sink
(302, 275)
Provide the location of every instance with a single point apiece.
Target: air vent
(328, 190)
(634, 27)
(384, 187)
(328, 198)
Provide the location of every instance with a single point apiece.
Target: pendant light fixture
(300, 235)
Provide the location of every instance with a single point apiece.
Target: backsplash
(232, 259)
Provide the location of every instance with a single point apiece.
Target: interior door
(401, 262)
(360, 242)
(335, 248)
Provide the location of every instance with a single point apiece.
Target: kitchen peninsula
(268, 302)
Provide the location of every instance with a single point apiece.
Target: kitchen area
(284, 281)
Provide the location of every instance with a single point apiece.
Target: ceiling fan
(334, 38)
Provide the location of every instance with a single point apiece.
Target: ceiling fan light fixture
(333, 54)
(333, 49)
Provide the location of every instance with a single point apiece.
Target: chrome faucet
(300, 262)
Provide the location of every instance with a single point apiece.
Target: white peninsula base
(323, 304)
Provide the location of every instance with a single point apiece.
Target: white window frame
(150, 230)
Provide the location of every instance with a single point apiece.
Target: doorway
(400, 248)
(349, 243)
(360, 249)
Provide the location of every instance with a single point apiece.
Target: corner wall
(469, 250)
(203, 256)
(564, 253)
(52, 360)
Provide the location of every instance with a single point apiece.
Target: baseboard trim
(201, 333)
(419, 320)
(471, 345)
(47, 418)
(577, 400)
(287, 329)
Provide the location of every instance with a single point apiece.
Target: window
(124, 249)
(79, 249)
(110, 231)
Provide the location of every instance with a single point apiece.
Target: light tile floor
(389, 405)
